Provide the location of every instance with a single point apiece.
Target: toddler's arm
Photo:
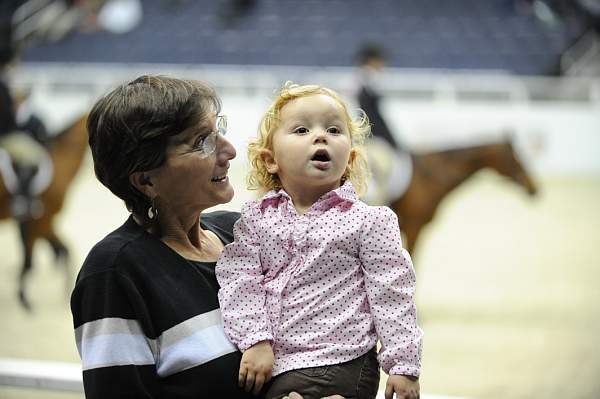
(390, 284)
(242, 296)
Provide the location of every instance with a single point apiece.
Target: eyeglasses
(208, 144)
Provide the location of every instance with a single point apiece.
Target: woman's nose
(226, 150)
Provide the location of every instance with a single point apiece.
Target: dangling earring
(152, 211)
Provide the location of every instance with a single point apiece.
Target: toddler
(315, 276)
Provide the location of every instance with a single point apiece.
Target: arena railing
(45, 375)
(418, 84)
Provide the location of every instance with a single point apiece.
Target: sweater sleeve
(242, 295)
(117, 356)
(390, 284)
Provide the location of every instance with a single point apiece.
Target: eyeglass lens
(210, 142)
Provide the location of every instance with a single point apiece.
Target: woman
(145, 310)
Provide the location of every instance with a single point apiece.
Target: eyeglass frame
(209, 142)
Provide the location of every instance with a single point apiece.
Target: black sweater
(147, 321)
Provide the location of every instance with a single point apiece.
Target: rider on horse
(390, 162)
(25, 164)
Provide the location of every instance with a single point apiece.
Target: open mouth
(321, 156)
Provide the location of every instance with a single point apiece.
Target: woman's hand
(405, 387)
(256, 367)
(294, 395)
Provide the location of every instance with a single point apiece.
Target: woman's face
(191, 181)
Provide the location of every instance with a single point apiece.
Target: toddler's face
(312, 145)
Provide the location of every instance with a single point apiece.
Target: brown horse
(67, 150)
(436, 174)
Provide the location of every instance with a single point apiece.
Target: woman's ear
(269, 160)
(142, 182)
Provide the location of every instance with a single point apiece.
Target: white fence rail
(51, 376)
(400, 83)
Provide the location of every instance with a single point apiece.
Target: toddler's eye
(300, 130)
(334, 130)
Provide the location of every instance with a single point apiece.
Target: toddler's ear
(352, 156)
(269, 160)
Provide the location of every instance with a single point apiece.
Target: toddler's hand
(404, 387)
(256, 367)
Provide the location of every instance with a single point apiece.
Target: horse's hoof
(24, 301)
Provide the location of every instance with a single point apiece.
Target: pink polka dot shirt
(322, 286)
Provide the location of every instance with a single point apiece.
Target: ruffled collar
(345, 192)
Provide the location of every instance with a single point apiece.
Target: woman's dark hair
(129, 129)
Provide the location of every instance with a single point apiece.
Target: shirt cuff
(254, 339)
(405, 370)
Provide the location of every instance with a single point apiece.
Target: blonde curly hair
(359, 128)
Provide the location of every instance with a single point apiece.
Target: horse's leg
(61, 257)
(408, 230)
(27, 242)
(61, 252)
(43, 228)
(411, 231)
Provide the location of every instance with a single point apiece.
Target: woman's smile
(220, 179)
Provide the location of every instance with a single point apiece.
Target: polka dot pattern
(322, 286)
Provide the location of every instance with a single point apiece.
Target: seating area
(458, 34)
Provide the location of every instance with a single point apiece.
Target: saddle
(391, 172)
(27, 170)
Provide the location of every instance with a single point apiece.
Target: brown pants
(356, 379)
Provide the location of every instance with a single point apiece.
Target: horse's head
(508, 164)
